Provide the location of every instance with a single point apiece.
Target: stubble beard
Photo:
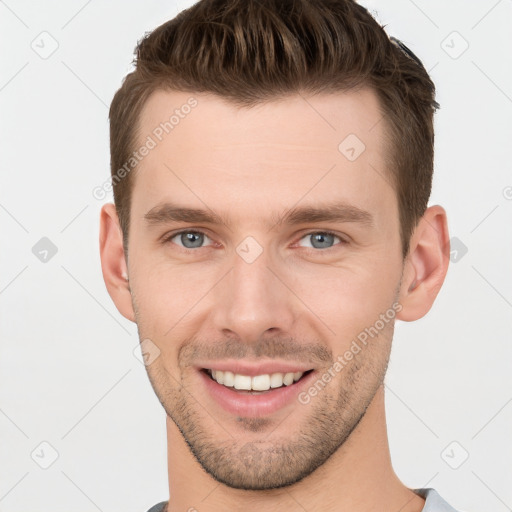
(270, 462)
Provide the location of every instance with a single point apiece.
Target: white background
(68, 375)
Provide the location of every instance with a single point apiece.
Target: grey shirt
(433, 502)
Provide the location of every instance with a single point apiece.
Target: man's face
(265, 291)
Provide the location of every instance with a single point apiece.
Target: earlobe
(426, 265)
(113, 261)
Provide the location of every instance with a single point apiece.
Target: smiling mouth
(257, 384)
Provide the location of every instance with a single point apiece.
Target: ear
(426, 265)
(113, 262)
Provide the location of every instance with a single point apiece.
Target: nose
(253, 299)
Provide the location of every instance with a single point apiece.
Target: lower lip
(258, 405)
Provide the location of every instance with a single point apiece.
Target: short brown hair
(252, 51)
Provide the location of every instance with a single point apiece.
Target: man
(272, 164)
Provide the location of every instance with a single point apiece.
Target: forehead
(297, 148)
(324, 118)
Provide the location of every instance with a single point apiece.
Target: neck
(358, 477)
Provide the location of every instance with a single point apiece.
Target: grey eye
(321, 240)
(190, 239)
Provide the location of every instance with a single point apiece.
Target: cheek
(169, 296)
(348, 299)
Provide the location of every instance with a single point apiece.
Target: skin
(294, 302)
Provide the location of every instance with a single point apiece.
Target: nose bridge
(252, 299)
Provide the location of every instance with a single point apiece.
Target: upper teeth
(256, 383)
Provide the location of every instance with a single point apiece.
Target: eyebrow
(333, 212)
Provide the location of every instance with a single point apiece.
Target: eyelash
(168, 238)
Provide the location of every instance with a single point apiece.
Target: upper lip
(255, 368)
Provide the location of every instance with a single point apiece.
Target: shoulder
(434, 502)
(159, 507)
